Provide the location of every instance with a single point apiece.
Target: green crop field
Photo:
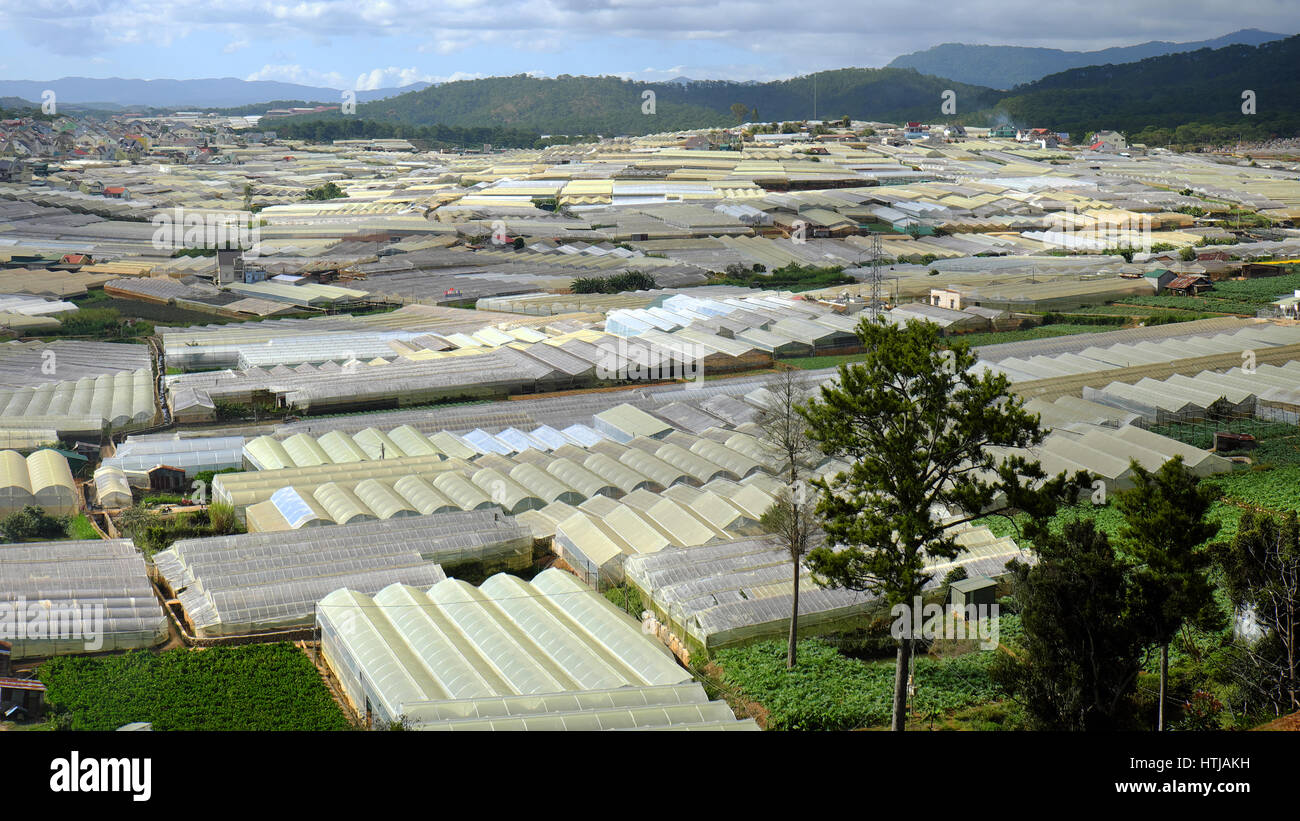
(252, 687)
(830, 691)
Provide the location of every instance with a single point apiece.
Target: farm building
(510, 655)
(249, 583)
(42, 479)
(77, 597)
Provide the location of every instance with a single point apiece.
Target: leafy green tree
(1166, 532)
(739, 110)
(1077, 660)
(919, 428)
(1260, 568)
(328, 191)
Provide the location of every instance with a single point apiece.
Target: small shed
(21, 698)
(979, 590)
(167, 478)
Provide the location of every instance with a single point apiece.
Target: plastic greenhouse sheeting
(404, 648)
(77, 597)
(732, 592)
(257, 582)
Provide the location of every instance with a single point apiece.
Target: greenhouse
(250, 583)
(1268, 391)
(452, 656)
(117, 399)
(191, 454)
(666, 707)
(1142, 352)
(76, 597)
(738, 591)
(42, 479)
(111, 488)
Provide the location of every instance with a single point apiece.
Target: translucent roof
(261, 581)
(506, 638)
(99, 590)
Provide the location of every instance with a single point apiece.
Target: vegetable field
(1277, 489)
(253, 687)
(830, 691)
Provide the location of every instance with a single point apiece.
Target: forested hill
(1010, 66)
(1184, 98)
(610, 105)
(1199, 92)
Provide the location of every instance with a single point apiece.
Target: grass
(79, 527)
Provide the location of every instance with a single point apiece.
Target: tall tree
(1261, 573)
(1077, 661)
(922, 434)
(784, 434)
(794, 522)
(739, 110)
(1166, 532)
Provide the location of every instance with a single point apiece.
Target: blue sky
(368, 44)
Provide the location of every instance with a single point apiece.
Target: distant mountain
(1005, 67)
(610, 105)
(225, 92)
(1193, 96)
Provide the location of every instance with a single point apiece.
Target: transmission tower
(874, 277)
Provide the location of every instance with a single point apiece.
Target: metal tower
(874, 278)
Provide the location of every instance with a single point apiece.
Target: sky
(369, 44)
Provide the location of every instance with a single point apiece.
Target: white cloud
(784, 39)
(298, 74)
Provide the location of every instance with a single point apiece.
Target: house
(954, 132)
(915, 131)
(1160, 277)
(167, 478)
(1003, 132)
(946, 298)
(12, 170)
(1217, 256)
(1044, 138)
(117, 192)
(1111, 142)
(76, 259)
(1189, 285)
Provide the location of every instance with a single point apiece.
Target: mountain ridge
(1005, 67)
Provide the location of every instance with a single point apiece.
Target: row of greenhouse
(1125, 355)
(739, 591)
(83, 406)
(257, 583)
(1265, 391)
